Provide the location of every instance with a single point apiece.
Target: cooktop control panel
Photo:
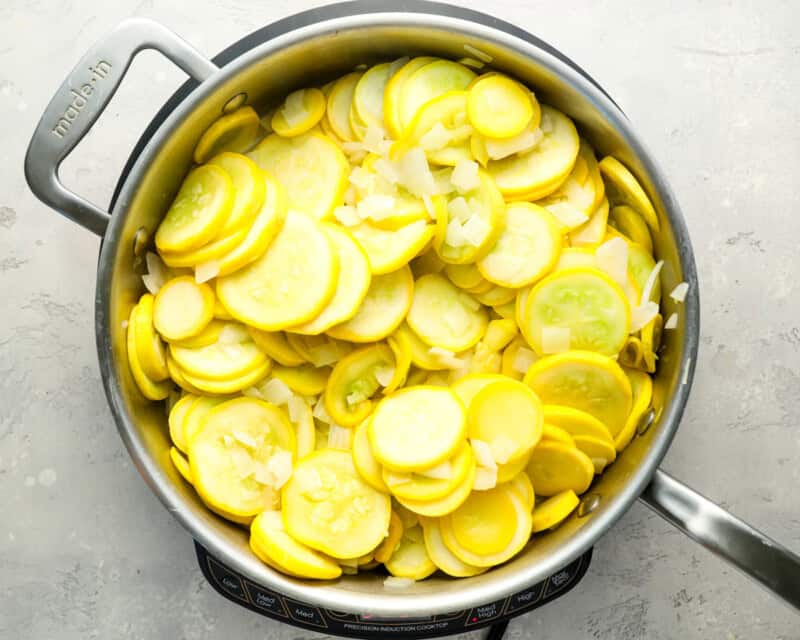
(273, 605)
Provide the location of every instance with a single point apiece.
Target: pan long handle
(769, 563)
(81, 99)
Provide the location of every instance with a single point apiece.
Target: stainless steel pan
(313, 47)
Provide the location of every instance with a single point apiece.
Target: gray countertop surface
(86, 551)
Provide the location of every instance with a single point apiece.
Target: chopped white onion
(454, 234)
(502, 448)
(276, 392)
(523, 359)
(672, 321)
(352, 147)
(321, 413)
(567, 214)
(643, 314)
(414, 173)
(243, 463)
(361, 178)
(227, 439)
(428, 202)
(437, 137)
(612, 257)
(485, 479)
(339, 437)
(458, 209)
(347, 216)
(446, 357)
(475, 230)
(244, 438)
(151, 283)
(393, 582)
(354, 398)
(157, 268)
(678, 294)
(294, 109)
(375, 141)
(386, 170)
(277, 470)
(498, 149)
(376, 207)
(465, 176)
(650, 283)
(297, 408)
(328, 353)
(555, 339)
(384, 375)
(443, 471)
(253, 392)
(483, 453)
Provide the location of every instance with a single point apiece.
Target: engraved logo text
(80, 98)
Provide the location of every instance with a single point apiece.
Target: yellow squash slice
(390, 543)
(236, 132)
(489, 528)
(441, 556)
(441, 129)
(339, 101)
(327, 506)
(553, 511)
(240, 455)
(311, 168)
(584, 380)
(181, 464)
(555, 467)
(498, 106)
(447, 504)
(623, 188)
(149, 347)
(420, 487)
(507, 416)
(410, 559)
(391, 94)
(584, 304)
(220, 361)
(249, 191)
(353, 382)
(526, 249)
(445, 317)
(150, 389)
(537, 173)
(388, 250)
(290, 283)
(600, 452)
(417, 428)
(382, 310)
(642, 390)
(182, 308)
(195, 414)
(268, 537)
(351, 288)
(630, 223)
(176, 420)
(521, 485)
(425, 84)
(199, 211)
(363, 460)
(368, 95)
(302, 110)
(277, 347)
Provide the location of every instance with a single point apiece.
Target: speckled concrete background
(87, 552)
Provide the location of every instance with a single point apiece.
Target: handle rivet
(235, 102)
(588, 503)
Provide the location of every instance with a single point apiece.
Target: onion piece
(650, 283)
(678, 294)
(555, 339)
(480, 55)
(443, 471)
(276, 392)
(294, 109)
(465, 176)
(502, 448)
(523, 359)
(672, 321)
(393, 582)
(297, 408)
(483, 453)
(612, 257)
(244, 438)
(475, 230)
(339, 437)
(321, 413)
(384, 375)
(642, 315)
(485, 479)
(347, 216)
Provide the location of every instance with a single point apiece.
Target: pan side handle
(81, 99)
(764, 560)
